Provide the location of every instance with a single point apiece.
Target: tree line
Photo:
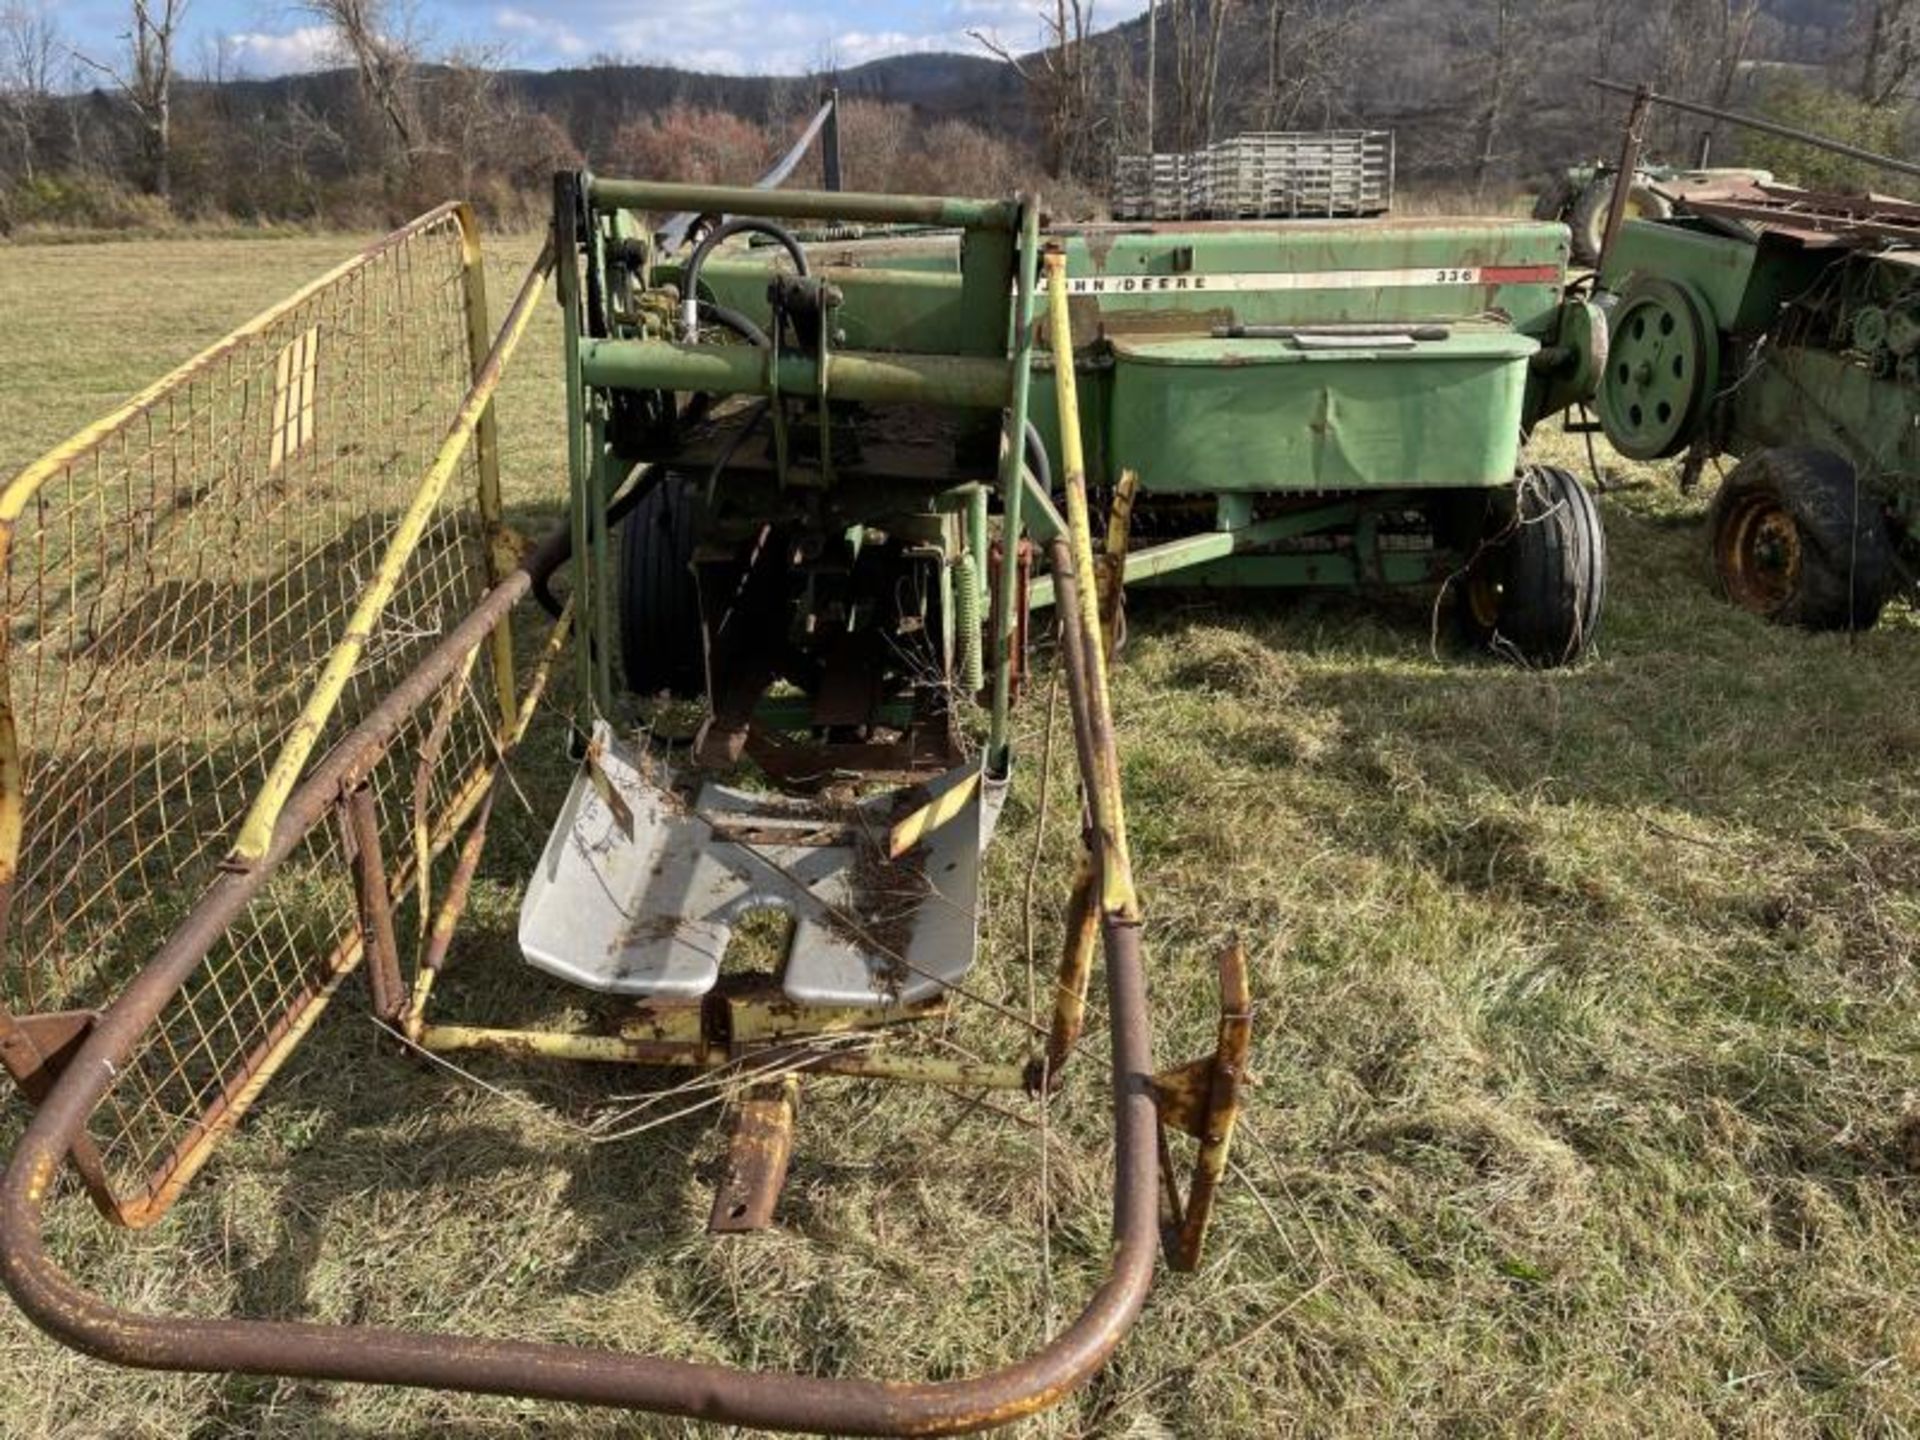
(1487, 94)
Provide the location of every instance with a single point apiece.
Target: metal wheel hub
(1662, 370)
(1758, 555)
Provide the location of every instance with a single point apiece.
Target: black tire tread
(661, 644)
(1588, 218)
(1553, 559)
(1846, 567)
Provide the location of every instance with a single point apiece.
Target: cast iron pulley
(1663, 369)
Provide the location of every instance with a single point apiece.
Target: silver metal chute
(639, 891)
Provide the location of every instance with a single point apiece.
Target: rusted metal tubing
(574, 1373)
(870, 377)
(362, 820)
(433, 957)
(1630, 142)
(543, 1371)
(802, 204)
(454, 904)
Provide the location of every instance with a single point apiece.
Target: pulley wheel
(1663, 369)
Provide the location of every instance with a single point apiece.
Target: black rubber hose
(1037, 460)
(550, 554)
(544, 560)
(744, 225)
(733, 320)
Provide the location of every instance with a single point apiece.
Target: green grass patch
(1586, 1040)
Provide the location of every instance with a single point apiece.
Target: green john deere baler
(1338, 403)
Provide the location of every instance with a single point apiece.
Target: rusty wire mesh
(174, 584)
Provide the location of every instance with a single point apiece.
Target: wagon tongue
(639, 889)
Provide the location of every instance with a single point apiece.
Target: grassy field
(1588, 1045)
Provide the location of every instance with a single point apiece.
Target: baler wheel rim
(1759, 554)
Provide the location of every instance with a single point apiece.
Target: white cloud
(727, 36)
(856, 47)
(310, 47)
(552, 36)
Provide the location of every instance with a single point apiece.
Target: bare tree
(374, 37)
(29, 49)
(1306, 50)
(1892, 49)
(1496, 89)
(1062, 83)
(146, 79)
(1199, 28)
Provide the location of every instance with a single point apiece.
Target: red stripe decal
(1520, 274)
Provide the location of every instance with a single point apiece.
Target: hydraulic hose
(545, 559)
(1037, 460)
(745, 225)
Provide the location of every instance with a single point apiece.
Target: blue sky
(270, 37)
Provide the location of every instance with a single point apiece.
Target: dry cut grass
(1586, 1046)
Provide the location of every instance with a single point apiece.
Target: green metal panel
(1193, 276)
(1744, 281)
(1717, 266)
(1224, 415)
(1804, 396)
(921, 311)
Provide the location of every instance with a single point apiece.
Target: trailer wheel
(661, 645)
(1588, 222)
(1554, 198)
(1535, 587)
(1794, 538)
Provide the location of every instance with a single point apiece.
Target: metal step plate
(638, 891)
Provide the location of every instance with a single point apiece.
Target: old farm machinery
(1780, 326)
(831, 457)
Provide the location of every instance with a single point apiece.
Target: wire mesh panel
(175, 579)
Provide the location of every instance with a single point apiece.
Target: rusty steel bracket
(757, 1158)
(360, 822)
(1111, 563)
(34, 1050)
(1202, 1099)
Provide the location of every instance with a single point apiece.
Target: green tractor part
(1782, 327)
(1581, 197)
(1308, 404)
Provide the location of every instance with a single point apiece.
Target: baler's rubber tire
(1535, 589)
(662, 646)
(1588, 219)
(1794, 537)
(1554, 199)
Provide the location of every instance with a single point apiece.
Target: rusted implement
(385, 787)
(310, 516)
